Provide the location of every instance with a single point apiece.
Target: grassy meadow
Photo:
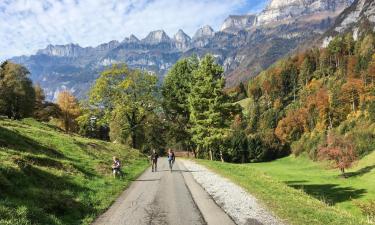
(49, 177)
(301, 191)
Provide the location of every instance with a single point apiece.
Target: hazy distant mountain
(245, 45)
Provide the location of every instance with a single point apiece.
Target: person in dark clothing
(154, 160)
(171, 158)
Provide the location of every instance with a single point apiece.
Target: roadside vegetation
(304, 192)
(50, 177)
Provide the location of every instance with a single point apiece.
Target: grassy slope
(282, 185)
(48, 177)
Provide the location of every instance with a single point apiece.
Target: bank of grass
(49, 177)
(305, 192)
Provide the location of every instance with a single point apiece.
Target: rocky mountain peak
(181, 36)
(131, 39)
(108, 46)
(69, 50)
(278, 10)
(156, 37)
(182, 40)
(235, 23)
(203, 32)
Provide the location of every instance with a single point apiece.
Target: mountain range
(245, 45)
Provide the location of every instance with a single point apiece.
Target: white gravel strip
(234, 200)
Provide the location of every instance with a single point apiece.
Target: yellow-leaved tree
(70, 110)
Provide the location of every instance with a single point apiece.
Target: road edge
(211, 212)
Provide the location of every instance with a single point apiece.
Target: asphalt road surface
(165, 197)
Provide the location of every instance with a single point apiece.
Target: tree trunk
(353, 100)
(66, 122)
(343, 172)
(134, 141)
(330, 121)
(210, 153)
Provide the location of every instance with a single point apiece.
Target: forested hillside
(316, 101)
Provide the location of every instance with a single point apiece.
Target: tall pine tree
(210, 109)
(175, 91)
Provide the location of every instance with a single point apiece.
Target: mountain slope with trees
(317, 101)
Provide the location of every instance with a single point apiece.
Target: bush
(265, 147)
(309, 144)
(368, 209)
(338, 149)
(363, 134)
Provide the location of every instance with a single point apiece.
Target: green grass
(305, 192)
(49, 177)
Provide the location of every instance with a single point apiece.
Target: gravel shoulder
(241, 206)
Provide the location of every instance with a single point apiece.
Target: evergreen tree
(39, 103)
(305, 72)
(175, 91)
(210, 110)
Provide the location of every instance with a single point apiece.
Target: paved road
(164, 197)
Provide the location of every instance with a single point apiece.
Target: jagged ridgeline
(245, 45)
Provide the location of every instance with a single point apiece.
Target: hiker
(116, 167)
(171, 158)
(154, 160)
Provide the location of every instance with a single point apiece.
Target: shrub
(309, 144)
(339, 150)
(265, 147)
(368, 209)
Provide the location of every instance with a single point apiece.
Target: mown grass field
(49, 177)
(305, 192)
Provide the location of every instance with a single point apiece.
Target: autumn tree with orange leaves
(70, 110)
(351, 92)
(339, 150)
(291, 127)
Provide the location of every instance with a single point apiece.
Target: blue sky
(29, 25)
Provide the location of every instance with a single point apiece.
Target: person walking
(171, 159)
(116, 167)
(154, 160)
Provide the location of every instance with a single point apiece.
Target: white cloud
(28, 25)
